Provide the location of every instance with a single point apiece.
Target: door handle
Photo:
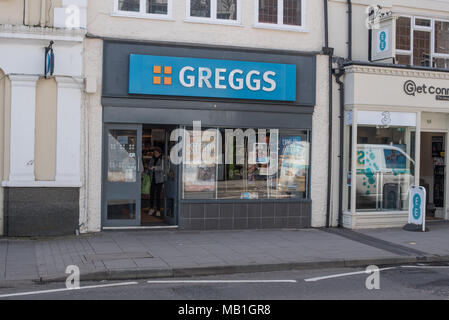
(139, 165)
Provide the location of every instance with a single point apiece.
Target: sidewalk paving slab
(435, 242)
(147, 254)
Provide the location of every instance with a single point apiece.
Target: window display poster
(261, 153)
(295, 151)
(199, 177)
(294, 160)
(394, 159)
(286, 142)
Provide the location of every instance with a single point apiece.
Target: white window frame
(435, 54)
(406, 52)
(422, 28)
(431, 30)
(142, 13)
(213, 15)
(280, 25)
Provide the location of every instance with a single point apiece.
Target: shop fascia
(412, 89)
(211, 78)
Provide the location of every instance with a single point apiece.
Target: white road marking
(219, 281)
(426, 267)
(65, 289)
(214, 281)
(341, 275)
(149, 282)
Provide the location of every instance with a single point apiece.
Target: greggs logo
(157, 75)
(189, 77)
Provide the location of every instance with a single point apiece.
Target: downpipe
(338, 75)
(330, 53)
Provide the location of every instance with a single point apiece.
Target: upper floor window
(285, 14)
(143, 7)
(220, 11)
(422, 42)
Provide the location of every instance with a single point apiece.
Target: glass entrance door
(159, 178)
(433, 173)
(122, 175)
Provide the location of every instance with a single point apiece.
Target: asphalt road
(412, 282)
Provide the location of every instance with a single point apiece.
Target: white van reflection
(384, 176)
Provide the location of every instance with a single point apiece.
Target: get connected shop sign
(193, 77)
(412, 89)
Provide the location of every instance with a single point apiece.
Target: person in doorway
(156, 169)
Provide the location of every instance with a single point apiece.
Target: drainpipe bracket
(328, 51)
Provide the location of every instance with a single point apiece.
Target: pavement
(165, 254)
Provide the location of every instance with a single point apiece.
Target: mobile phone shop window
(385, 160)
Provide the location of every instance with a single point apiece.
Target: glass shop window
(248, 164)
(385, 167)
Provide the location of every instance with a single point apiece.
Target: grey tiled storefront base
(245, 215)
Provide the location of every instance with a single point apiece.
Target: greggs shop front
(206, 137)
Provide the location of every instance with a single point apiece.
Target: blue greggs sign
(174, 76)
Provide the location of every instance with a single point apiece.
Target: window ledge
(214, 21)
(377, 213)
(41, 184)
(138, 15)
(280, 27)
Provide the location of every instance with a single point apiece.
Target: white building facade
(41, 99)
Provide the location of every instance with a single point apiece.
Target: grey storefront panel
(230, 119)
(41, 212)
(235, 215)
(121, 107)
